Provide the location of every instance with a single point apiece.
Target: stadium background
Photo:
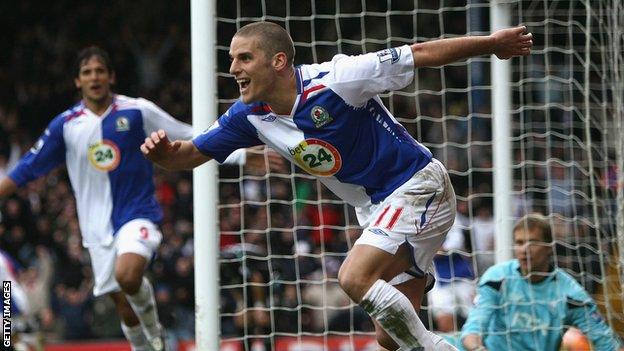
(151, 54)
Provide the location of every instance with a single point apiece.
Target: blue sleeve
(47, 153)
(585, 316)
(230, 132)
(487, 303)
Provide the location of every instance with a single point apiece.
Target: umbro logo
(378, 231)
(269, 118)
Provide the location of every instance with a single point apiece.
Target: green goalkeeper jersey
(511, 313)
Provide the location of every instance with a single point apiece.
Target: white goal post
(205, 178)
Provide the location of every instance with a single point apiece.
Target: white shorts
(419, 213)
(456, 296)
(139, 236)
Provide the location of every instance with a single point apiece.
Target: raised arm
(505, 43)
(176, 155)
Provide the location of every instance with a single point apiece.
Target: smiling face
(531, 250)
(94, 81)
(252, 69)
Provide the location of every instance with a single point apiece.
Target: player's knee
(355, 287)
(129, 269)
(129, 281)
(345, 281)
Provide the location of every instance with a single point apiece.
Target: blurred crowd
(283, 235)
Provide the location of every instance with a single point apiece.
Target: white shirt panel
(155, 118)
(91, 186)
(282, 135)
(359, 78)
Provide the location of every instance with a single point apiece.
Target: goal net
(284, 236)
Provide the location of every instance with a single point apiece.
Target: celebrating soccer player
(98, 139)
(329, 120)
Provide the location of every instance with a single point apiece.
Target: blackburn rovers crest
(320, 116)
(122, 124)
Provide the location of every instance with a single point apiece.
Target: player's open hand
(512, 42)
(157, 146)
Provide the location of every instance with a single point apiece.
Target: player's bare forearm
(187, 156)
(7, 187)
(505, 43)
(176, 155)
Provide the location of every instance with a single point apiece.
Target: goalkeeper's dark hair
(92, 51)
(535, 221)
(273, 37)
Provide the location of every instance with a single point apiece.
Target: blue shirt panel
(377, 153)
(131, 182)
(451, 266)
(234, 131)
(47, 153)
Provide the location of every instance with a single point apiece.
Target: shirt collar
(548, 275)
(299, 79)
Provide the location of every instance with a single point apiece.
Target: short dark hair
(274, 38)
(535, 221)
(91, 51)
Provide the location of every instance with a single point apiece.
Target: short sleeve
(359, 78)
(230, 132)
(155, 118)
(238, 157)
(47, 153)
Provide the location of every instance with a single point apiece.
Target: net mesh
(284, 235)
(567, 137)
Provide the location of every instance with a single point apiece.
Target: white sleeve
(359, 78)
(155, 118)
(238, 157)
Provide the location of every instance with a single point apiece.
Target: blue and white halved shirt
(111, 179)
(338, 130)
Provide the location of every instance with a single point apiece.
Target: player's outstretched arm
(7, 187)
(505, 43)
(172, 155)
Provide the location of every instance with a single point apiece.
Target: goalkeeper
(328, 118)
(527, 303)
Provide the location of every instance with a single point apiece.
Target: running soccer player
(98, 139)
(329, 120)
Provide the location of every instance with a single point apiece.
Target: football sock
(135, 336)
(397, 316)
(144, 305)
